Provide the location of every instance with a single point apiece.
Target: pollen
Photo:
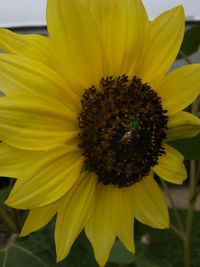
(123, 129)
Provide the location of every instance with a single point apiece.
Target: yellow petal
(179, 88)
(170, 166)
(47, 178)
(100, 230)
(75, 38)
(112, 216)
(30, 45)
(166, 34)
(183, 125)
(38, 218)
(73, 213)
(22, 75)
(33, 123)
(123, 28)
(150, 205)
(13, 161)
(123, 216)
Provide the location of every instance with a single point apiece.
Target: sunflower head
(123, 129)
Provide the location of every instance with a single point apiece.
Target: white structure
(19, 13)
(16, 13)
(192, 7)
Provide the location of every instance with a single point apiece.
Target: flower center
(123, 127)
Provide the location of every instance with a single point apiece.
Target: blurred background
(31, 13)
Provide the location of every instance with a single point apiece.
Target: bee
(133, 129)
(126, 138)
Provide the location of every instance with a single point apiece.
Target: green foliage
(38, 250)
(191, 42)
(4, 194)
(120, 255)
(190, 148)
(167, 247)
(142, 258)
(18, 256)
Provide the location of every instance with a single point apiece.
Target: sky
(32, 12)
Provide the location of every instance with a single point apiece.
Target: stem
(177, 231)
(191, 204)
(197, 192)
(193, 193)
(18, 219)
(10, 241)
(177, 216)
(5, 218)
(187, 60)
(16, 213)
(190, 216)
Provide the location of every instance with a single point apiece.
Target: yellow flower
(86, 118)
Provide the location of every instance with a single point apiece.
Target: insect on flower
(131, 132)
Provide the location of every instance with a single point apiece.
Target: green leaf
(190, 148)
(142, 258)
(120, 255)
(81, 254)
(15, 255)
(41, 245)
(4, 195)
(147, 262)
(191, 41)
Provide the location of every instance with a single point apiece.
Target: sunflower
(86, 117)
